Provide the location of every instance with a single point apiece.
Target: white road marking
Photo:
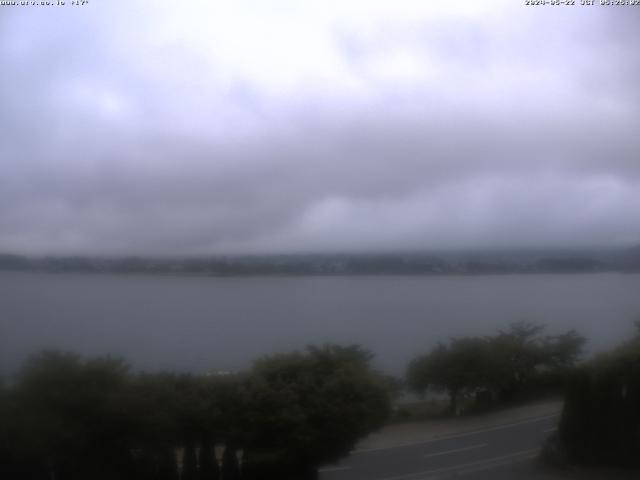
(508, 461)
(458, 435)
(333, 469)
(455, 450)
(469, 467)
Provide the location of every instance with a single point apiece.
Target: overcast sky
(166, 127)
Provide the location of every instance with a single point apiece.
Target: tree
(522, 354)
(67, 417)
(518, 353)
(601, 416)
(501, 365)
(308, 408)
(5, 454)
(462, 366)
(563, 350)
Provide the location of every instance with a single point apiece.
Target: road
(500, 451)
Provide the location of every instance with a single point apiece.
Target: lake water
(201, 323)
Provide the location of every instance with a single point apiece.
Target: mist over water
(203, 323)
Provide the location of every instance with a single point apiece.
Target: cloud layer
(209, 127)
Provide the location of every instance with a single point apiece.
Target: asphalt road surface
(497, 452)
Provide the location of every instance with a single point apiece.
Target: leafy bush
(601, 419)
(69, 418)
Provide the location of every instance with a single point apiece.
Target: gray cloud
(132, 129)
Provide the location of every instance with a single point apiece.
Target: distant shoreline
(332, 265)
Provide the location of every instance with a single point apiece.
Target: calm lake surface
(201, 323)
